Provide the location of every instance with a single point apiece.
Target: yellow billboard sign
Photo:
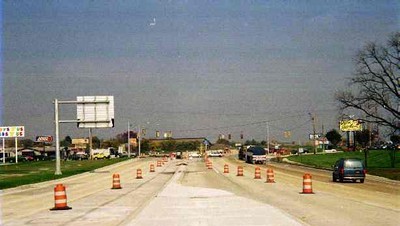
(80, 141)
(133, 142)
(350, 125)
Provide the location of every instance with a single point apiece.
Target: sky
(196, 68)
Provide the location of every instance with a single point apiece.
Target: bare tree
(374, 89)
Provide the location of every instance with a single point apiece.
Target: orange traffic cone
(159, 164)
(226, 168)
(152, 170)
(257, 173)
(116, 181)
(270, 176)
(307, 184)
(60, 198)
(239, 171)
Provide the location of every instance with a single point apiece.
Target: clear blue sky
(203, 68)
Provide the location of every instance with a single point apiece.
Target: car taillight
(365, 171)
(341, 170)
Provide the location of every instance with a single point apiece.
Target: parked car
(299, 151)
(29, 158)
(44, 157)
(349, 169)
(80, 156)
(99, 156)
(194, 155)
(12, 159)
(215, 154)
(125, 154)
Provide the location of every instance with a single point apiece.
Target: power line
(240, 125)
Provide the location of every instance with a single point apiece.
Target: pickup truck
(256, 155)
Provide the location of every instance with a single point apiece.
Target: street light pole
(129, 138)
(56, 121)
(140, 135)
(323, 139)
(314, 137)
(268, 137)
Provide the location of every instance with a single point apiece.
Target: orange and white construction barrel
(270, 176)
(239, 171)
(307, 184)
(139, 174)
(226, 168)
(116, 183)
(209, 165)
(60, 198)
(257, 173)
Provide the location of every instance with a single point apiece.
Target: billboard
(133, 142)
(350, 125)
(80, 141)
(95, 111)
(12, 131)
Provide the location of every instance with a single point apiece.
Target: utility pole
(139, 135)
(90, 143)
(4, 152)
(268, 137)
(129, 139)
(323, 139)
(314, 136)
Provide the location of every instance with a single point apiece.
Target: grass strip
(24, 173)
(379, 161)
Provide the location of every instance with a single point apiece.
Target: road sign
(12, 131)
(95, 111)
(46, 139)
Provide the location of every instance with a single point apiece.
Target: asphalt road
(376, 202)
(185, 192)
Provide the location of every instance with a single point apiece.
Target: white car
(330, 150)
(215, 154)
(194, 155)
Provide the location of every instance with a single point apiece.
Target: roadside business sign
(12, 131)
(44, 139)
(315, 136)
(80, 141)
(350, 125)
(133, 142)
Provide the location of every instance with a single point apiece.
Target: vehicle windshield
(353, 164)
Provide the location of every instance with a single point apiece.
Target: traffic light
(241, 136)
(229, 136)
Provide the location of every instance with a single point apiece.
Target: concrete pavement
(191, 206)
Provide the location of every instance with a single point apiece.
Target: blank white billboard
(95, 112)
